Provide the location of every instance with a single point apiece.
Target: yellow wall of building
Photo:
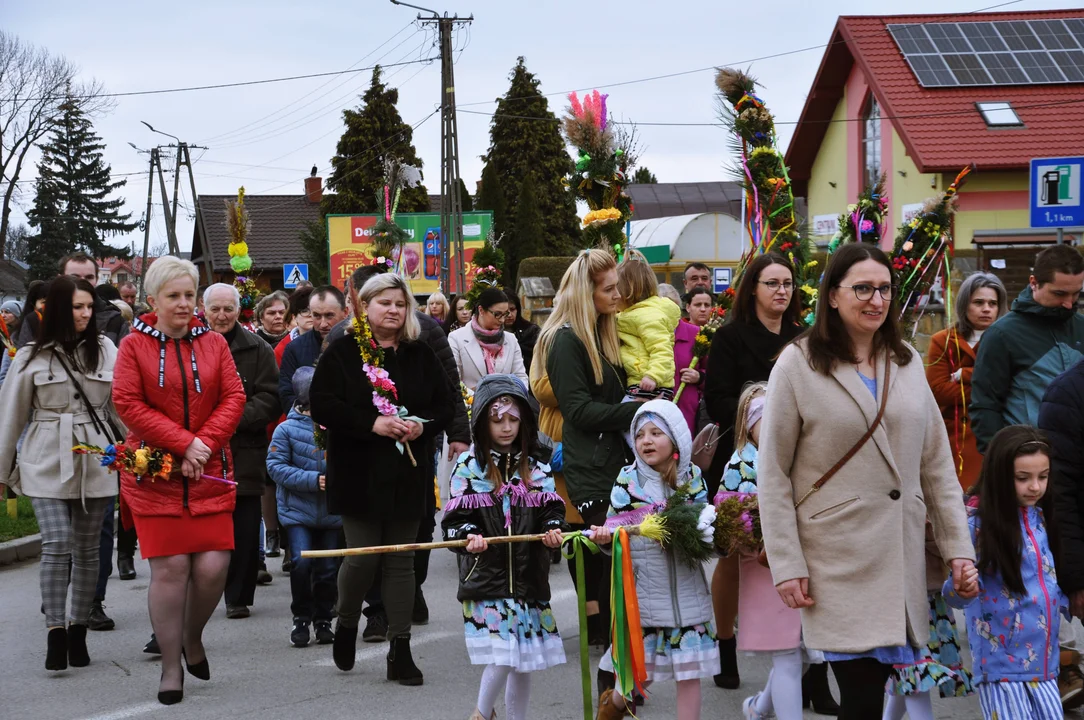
(830, 166)
(986, 181)
(914, 187)
(967, 222)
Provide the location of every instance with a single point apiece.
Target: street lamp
(151, 128)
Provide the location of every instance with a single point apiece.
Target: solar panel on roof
(1013, 52)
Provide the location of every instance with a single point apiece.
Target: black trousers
(861, 688)
(245, 561)
(126, 540)
(596, 568)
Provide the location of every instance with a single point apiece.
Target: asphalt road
(256, 674)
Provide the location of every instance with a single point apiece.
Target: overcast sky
(267, 137)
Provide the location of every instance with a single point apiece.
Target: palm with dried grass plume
(604, 163)
(769, 198)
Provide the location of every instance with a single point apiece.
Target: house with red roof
(115, 271)
(919, 97)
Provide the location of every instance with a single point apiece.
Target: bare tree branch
(33, 85)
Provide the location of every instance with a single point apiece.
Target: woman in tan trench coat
(852, 555)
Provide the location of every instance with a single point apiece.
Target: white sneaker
(749, 709)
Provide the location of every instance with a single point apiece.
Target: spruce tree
(50, 244)
(525, 139)
(491, 198)
(373, 131)
(464, 197)
(643, 176)
(528, 235)
(77, 185)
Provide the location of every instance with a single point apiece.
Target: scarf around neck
(492, 342)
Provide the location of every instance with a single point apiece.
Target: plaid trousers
(69, 550)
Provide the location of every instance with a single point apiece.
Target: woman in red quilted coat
(177, 389)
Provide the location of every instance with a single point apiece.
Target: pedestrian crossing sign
(294, 274)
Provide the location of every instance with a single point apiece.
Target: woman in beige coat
(852, 555)
(44, 393)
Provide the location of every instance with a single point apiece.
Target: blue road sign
(1055, 192)
(294, 274)
(721, 279)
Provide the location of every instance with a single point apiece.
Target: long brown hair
(1000, 543)
(828, 341)
(58, 324)
(744, 310)
(526, 443)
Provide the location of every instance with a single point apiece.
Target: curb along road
(20, 549)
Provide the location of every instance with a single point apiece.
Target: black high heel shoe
(172, 697)
(816, 692)
(56, 652)
(201, 670)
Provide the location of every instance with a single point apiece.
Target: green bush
(552, 267)
(25, 524)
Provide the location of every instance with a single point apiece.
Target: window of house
(871, 142)
(999, 114)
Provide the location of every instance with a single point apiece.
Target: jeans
(105, 549)
(313, 584)
(358, 572)
(375, 603)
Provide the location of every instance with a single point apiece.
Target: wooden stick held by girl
(1013, 621)
(500, 487)
(675, 605)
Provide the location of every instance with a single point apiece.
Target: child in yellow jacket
(646, 326)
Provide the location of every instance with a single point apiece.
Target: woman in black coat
(372, 482)
(765, 317)
(526, 332)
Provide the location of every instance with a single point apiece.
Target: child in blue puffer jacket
(1013, 623)
(297, 466)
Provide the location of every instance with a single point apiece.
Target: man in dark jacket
(1022, 353)
(328, 307)
(1061, 417)
(458, 442)
(255, 361)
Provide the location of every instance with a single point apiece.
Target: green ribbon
(405, 416)
(574, 545)
(621, 650)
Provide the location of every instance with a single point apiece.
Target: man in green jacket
(1022, 353)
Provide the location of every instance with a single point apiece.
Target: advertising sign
(349, 240)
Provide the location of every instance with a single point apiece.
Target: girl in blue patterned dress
(501, 487)
(675, 604)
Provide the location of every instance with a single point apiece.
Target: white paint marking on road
(380, 651)
(128, 712)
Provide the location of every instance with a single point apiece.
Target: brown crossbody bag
(858, 445)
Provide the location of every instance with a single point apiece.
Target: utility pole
(451, 203)
(184, 159)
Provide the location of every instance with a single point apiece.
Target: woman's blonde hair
(636, 280)
(741, 425)
(439, 297)
(390, 281)
(574, 306)
(167, 269)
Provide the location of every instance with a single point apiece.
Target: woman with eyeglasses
(853, 459)
(483, 347)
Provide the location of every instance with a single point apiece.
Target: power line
(712, 67)
(214, 87)
(324, 85)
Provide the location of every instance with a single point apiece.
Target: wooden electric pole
(451, 202)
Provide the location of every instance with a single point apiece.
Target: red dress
(169, 392)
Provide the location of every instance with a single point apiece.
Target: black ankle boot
(56, 653)
(401, 665)
(77, 646)
(606, 681)
(344, 647)
(728, 677)
(816, 691)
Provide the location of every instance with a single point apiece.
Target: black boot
(345, 646)
(816, 692)
(401, 665)
(728, 677)
(56, 653)
(126, 567)
(77, 646)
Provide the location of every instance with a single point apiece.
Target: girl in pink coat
(767, 625)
